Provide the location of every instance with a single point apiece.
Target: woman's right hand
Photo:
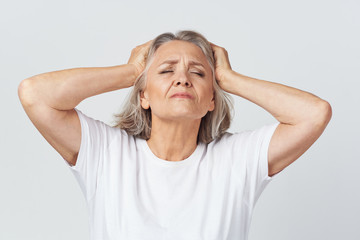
(138, 57)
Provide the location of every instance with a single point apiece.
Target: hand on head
(222, 63)
(138, 57)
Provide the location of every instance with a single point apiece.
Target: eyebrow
(173, 61)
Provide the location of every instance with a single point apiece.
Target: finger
(215, 48)
(148, 42)
(213, 45)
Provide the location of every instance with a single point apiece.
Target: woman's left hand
(222, 65)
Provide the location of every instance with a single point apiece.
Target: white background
(311, 45)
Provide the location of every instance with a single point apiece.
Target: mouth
(182, 95)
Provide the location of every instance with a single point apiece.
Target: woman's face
(179, 67)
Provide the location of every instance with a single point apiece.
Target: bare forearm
(287, 104)
(65, 89)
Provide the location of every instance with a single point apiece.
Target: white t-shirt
(131, 194)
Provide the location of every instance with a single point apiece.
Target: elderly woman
(168, 169)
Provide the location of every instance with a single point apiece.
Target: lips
(182, 95)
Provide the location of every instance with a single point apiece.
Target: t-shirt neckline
(194, 155)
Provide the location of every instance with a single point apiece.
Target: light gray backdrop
(310, 44)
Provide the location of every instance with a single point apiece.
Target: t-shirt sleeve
(257, 160)
(252, 148)
(95, 138)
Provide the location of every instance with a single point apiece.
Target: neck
(173, 140)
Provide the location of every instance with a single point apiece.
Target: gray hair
(136, 120)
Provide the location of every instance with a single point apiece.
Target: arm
(49, 99)
(287, 104)
(65, 89)
(303, 116)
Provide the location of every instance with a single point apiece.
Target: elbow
(323, 114)
(326, 110)
(24, 92)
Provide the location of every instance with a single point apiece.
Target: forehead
(176, 49)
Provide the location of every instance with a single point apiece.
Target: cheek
(206, 89)
(157, 92)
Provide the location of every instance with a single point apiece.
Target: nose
(183, 80)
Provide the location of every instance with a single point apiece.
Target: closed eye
(200, 74)
(165, 71)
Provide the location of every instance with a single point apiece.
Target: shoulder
(244, 137)
(229, 137)
(93, 128)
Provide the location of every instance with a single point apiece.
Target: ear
(144, 100)
(212, 104)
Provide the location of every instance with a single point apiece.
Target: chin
(184, 117)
